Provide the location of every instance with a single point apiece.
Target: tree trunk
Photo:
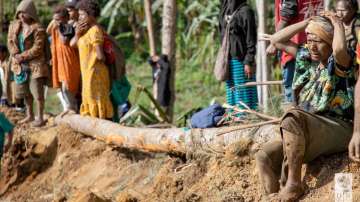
(169, 46)
(150, 27)
(179, 140)
(262, 67)
(2, 18)
(327, 4)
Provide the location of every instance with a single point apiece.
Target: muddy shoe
(38, 123)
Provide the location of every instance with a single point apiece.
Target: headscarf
(28, 7)
(228, 7)
(322, 28)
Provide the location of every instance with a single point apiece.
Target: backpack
(221, 69)
(208, 118)
(114, 58)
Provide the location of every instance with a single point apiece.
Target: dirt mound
(57, 164)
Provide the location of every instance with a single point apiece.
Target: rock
(87, 196)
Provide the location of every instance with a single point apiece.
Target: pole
(327, 4)
(150, 27)
(262, 65)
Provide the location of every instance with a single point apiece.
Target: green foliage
(197, 43)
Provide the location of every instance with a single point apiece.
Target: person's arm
(51, 26)
(339, 45)
(251, 41)
(354, 146)
(38, 46)
(11, 42)
(74, 40)
(282, 39)
(100, 55)
(80, 30)
(65, 40)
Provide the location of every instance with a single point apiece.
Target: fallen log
(164, 140)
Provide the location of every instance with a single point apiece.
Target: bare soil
(57, 164)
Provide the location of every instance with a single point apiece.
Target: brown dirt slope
(58, 164)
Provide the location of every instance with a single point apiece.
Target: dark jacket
(243, 30)
(289, 9)
(161, 75)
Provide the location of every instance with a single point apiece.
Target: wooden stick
(249, 111)
(242, 127)
(156, 104)
(249, 84)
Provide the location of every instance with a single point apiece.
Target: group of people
(319, 53)
(68, 55)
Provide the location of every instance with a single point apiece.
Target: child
(65, 60)
(241, 18)
(71, 6)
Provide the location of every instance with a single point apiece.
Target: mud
(57, 164)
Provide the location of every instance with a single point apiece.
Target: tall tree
(169, 45)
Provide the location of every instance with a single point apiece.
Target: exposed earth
(55, 163)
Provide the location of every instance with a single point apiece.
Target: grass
(195, 87)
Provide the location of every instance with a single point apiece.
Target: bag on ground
(208, 118)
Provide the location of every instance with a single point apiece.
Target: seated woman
(95, 74)
(321, 121)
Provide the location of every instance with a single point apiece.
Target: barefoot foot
(291, 192)
(27, 120)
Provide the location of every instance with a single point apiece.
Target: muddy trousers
(323, 136)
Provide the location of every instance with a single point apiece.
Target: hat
(71, 3)
(28, 7)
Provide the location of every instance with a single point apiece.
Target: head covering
(28, 7)
(322, 28)
(71, 3)
(228, 7)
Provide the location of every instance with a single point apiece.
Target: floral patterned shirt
(327, 91)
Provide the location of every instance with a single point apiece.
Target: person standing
(71, 6)
(26, 43)
(89, 39)
(288, 12)
(65, 59)
(243, 38)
